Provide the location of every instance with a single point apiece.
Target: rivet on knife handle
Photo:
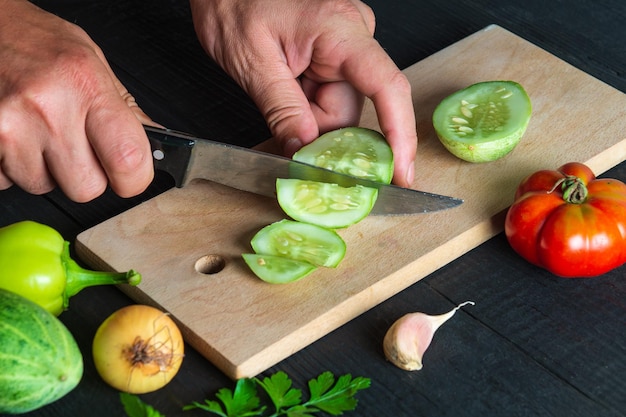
(170, 153)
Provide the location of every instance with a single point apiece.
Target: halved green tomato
(355, 151)
(277, 269)
(324, 204)
(300, 241)
(484, 121)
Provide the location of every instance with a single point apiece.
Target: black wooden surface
(533, 345)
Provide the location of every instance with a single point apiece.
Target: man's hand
(65, 119)
(307, 66)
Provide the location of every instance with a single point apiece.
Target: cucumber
(39, 358)
(324, 204)
(289, 250)
(300, 241)
(483, 122)
(277, 269)
(355, 151)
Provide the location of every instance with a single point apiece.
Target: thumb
(285, 107)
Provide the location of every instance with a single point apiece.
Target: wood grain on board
(244, 325)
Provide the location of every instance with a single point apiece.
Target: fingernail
(292, 146)
(410, 175)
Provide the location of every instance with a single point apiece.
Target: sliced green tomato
(277, 269)
(355, 151)
(484, 121)
(300, 241)
(324, 204)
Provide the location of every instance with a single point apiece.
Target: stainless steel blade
(188, 158)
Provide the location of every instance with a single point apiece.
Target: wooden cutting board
(244, 325)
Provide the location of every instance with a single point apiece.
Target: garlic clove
(408, 338)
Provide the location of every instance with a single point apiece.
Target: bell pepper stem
(79, 278)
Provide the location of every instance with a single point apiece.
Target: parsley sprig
(134, 407)
(325, 395)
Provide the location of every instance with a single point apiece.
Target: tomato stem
(574, 190)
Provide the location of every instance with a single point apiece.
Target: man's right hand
(65, 119)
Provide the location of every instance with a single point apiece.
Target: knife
(186, 158)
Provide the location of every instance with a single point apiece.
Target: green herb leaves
(278, 388)
(243, 402)
(134, 407)
(325, 395)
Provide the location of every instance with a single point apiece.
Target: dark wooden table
(534, 344)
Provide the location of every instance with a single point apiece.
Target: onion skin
(138, 349)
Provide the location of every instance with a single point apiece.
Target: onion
(138, 349)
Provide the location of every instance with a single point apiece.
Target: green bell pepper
(35, 262)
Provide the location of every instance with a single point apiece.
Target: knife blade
(186, 157)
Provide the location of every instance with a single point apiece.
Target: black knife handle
(171, 152)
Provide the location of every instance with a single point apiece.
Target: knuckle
(129, 169)
(80, 68)
(400, 83)
(289, 123)
(40, 188)
(280, 117)
(8, 139)
(86, 191)
(127, 156)
(84, 184)
(37, 184)
(349, 11)
(345, 8)
(280, 122)
(5, 181)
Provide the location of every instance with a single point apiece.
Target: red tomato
(569, 222)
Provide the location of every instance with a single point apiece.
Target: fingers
(119, 140)
(396, 118)
(120, 147)
(333, 104)
(266, 47)
(110, 150)
(65, 119)
(390, 93)
(307, 66)
(19, 164)
(109, 145)
(131, 102)
(368, 15)
(72, 165)
(5, 182)
(373, 74)
(344, 66)
(285, 108)
(80, 155)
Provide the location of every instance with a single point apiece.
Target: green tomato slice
(300, 241)
(354, 151)
(324, 204)
(277, 269)
(484, 121)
